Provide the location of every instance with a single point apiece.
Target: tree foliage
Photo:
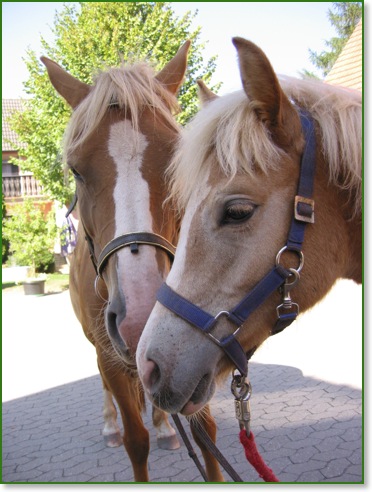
(4, 241)
(89, 37)
(31, 234)
(344, 18)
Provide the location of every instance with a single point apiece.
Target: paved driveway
(306, 403)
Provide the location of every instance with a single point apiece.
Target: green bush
(4, 242)
(31, 234)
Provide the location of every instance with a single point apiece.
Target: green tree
(31, 234)
(344, 17)
(4, 242)
(89, 37)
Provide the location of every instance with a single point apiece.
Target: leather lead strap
(212, 448)
(215, 451)
(189, 447)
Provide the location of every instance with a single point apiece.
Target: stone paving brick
(301, 468)
(351, 446)
(51, 444)
(301, 434)
(78, 468)
(296, 446)
(356, 457)
(348, 478)
(354, 470)
(30, 476)
(325, 433)
(276, 443)
(352, 434)
(329, 443)
(335, 468)
(312, 476)
(51, 476)
(328, 456)
(304, 454)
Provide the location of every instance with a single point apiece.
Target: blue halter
(278, 278)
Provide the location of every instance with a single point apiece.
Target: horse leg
(165, 434)
(212, 467)
(136, 437)
(111, 431)
(125, 390)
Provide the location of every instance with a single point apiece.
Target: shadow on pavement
(307, 430)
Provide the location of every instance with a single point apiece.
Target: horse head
(118, 145)
(235, 176)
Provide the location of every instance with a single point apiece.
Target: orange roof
(348, 69)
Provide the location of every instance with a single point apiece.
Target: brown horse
(235, 177)
(118, 145)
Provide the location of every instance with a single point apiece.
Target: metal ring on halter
(240, 385)
(242, 390)
(97, 290)
(299, 253)
(227, 314)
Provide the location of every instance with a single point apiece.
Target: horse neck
(355, 248)
(341, 223)
(353, 223)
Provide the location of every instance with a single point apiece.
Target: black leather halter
(131, 239)
(278, 277)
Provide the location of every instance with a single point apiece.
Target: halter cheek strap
(278, 278)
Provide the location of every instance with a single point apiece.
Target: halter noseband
(278, 278)
(132, 239)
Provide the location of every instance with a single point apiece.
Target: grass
(55, 282)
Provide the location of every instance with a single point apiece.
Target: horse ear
(71, 89)
(205, 94)
(260, 83)
(171, 76)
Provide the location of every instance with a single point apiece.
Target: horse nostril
(111, 321)
(112, 327)
(117, 341)
(151, 375)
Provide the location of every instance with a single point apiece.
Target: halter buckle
(304, 209)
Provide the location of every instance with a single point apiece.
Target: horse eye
(238, 211)
(76, 174)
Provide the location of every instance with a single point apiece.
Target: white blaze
(132, 204)
(131, 194)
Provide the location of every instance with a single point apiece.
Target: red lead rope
(254, 457)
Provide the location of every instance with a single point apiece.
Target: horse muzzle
(176, 365)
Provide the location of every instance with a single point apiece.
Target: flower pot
(35, 286)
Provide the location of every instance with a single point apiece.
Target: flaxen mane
(229, 125)
(131, 87)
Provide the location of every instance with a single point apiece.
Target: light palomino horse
(118, 145)
(235, 177)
